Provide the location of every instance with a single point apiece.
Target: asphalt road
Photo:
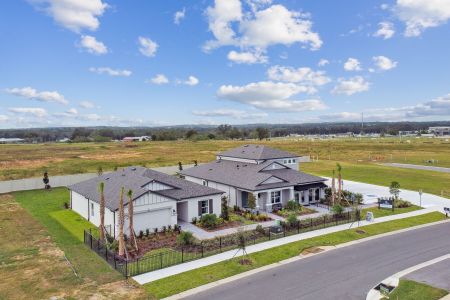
(345, 273)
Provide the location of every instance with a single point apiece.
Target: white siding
(250, 161)
(272, 179)
(157, 186)
(190, 209)
(229, 190)
(79, 204)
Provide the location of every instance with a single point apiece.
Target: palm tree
(101, 188)
(339, 169)
(333, 189)
(121, 223)
(130, 217)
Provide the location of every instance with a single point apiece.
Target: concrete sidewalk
(177, 269)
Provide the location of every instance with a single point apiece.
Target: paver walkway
(177, 269)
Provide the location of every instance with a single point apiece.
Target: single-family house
(271, 175)
(159, 199)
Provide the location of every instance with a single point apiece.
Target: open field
(181, 282)
(35, 244)
(23, 161)
(411, 290)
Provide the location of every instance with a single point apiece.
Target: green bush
(402, 203)
(208, 220)
(185, 238)
(292, 205)
(292, 219)
(337, 209)
(260, 229)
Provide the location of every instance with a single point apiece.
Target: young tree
(99, 171)
(339, 169)
(121, 224)
(394, 189)
(101, 188)
(225, 214)
(130, 217)
(180, 166)
(333, 189)
(46, 181)
(251, 201)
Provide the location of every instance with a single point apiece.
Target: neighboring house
(11, 141)
(159, 199)
(271, 175)
(440, 130)
(143, 138)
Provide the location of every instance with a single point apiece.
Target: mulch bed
(155, 241)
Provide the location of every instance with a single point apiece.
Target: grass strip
(412, 290)
(181, 282)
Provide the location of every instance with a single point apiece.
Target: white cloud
(259, 28)
(419, 15)
(147, 46)
(179, 15)
(111, 72)
(75, 15)
(255, 5)
(247, 57)
(299, 75)
(436, 107)
(34, 111)
(385, 30)
(270, 95)
(72, 112)
(352, 64)
(323, 62)
(384, 63)
(93, 46)
(44, 96)
(159, 79)
(232, 113)
(192, 80)
(351, 86)
(87, 104)
(4, 118)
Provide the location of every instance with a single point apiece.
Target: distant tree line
(225, 131)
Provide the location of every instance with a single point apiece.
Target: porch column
(257, 200)
(291, 194)
(306, 195)
(322, 193)
(268, 202)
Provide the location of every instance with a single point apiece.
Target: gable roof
(135, 179)
(257, 152)
(249, 176)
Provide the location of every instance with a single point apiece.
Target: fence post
(220, 244)
(310, 219)
(126, 269)
(137, 267)
(201, 244)
(298, 226)
(269, 234)
(324, 221)
(336, 217)
(90, 237)
(161, 259)
(115, 262)
(182, 254)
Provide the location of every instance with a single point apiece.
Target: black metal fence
(205, 248)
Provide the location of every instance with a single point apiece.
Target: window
(205, 182)
(290, 161)
(317, 194)
(303, 196)
(92, 209)
(293, 161)
(204, 208)
(275, 197)
(285, 161)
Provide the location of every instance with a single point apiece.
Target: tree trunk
(121, 223)
(130, 218)
(333, 190)
(339, 188)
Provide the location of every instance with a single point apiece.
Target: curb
(292, 259)
(394, 280)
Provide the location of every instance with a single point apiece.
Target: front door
(297, 197)
(244, 199)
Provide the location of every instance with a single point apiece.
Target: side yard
(44, 254)
(412, 290)
(178, 283)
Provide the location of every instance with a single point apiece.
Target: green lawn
(66, 229)
(429, 181)
(411, 290)
(188, 280)
(383, 212)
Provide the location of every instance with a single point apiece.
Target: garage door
(152, 219)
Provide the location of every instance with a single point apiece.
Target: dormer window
(205, 182)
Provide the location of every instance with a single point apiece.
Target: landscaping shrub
(141, 234)
(292, 219)
(185, 238)
(260, 229)
(147, 232)
(292, 205)
(208, 220)
(225, 215)
(402, 203)
(194, 220)
(236, 208)
(66, 205)
(337, 209)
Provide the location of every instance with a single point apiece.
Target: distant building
(440, 130)
(143, 138)
(11, 141)
(64, 140)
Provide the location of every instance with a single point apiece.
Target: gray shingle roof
(257, 152)
(135, 178)
(249, 176)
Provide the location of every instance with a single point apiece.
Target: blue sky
(145, 63)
